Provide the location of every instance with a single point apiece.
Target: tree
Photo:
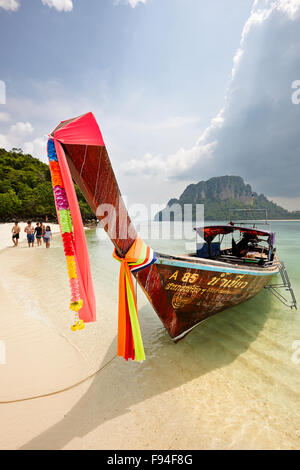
(26, 188)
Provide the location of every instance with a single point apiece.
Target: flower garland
(66, 226)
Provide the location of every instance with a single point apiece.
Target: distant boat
(186, 289)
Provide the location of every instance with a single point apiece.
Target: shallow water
(234, 382)
(252, 344)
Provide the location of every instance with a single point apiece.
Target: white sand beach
(230, 384)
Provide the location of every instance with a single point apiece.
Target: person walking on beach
(16, 233)
(47, 236)
(29, 229)
(38, 233)
(43, 228)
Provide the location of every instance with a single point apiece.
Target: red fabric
(129, 348)
(254, 232)
(213, 230)
(88, 312)
(84, 130)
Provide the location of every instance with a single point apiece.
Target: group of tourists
(34, 233)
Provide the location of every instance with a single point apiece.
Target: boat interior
(236, 245)
(245, 248)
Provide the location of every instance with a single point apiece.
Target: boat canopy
(211, 231)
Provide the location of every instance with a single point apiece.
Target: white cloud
(134, 3)
(169, 123)
(169, 167)
(4, 142)
(20, 129)
(11, 5)
(289, 203)
(255, 134)
(37, 147)
(181, 160)
(16, 136)
(60, 5)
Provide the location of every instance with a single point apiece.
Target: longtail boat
(186, 289)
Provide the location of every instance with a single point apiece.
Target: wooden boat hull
(185, 294)
(183, 290)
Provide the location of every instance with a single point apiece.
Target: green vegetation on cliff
(26, 189)
(220, 194)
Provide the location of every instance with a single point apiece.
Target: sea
(233, 382)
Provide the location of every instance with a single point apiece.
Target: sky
(183, 90)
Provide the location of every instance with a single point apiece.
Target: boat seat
(204, 252)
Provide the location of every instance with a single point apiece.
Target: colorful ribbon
(130, 344)
(66, 226)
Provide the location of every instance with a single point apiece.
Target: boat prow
(184, 290)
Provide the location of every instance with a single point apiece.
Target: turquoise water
(284, 323)
(233, 382)
(251, 347)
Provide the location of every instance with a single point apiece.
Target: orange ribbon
(130, 343)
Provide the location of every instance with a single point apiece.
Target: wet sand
(230, 384)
